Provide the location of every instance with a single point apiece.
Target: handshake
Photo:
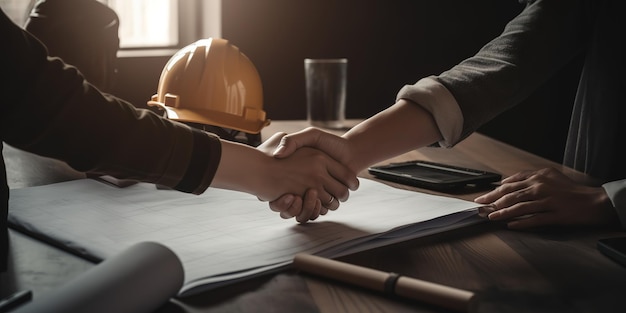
(312, 171)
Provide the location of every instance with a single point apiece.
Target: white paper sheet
(223, 236)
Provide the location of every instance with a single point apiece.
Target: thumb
(285, 148)
(290, 143)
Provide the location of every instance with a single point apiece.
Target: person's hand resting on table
(547, 197)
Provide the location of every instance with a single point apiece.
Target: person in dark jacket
(50, 109)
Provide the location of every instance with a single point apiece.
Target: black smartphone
(614, 248)
(431, 175)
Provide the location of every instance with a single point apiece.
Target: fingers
(534, 175)
(516, 210)
(521, 187)
(304, 209)
(287, 205)
(523, 215)
(499, 192)
(510, 184)
(336, 191)
(345, 176)
(332, 204)
(517, 177)
(521, 205)
(332, 180)
(338, 184)
(290, 143)
(485, 210)
(311, 207)
(333, 145)
(292, 210)
(516, 200)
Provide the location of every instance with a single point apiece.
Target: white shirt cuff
(617, 193)
(437, 99)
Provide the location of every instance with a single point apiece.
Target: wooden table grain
(556, 269)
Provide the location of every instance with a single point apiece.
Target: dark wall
(388, 44)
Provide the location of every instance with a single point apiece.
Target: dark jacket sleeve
(48, 108)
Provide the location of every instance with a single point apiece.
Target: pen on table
(389, 283)
(15, 300)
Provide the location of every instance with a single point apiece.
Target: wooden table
(549, 270)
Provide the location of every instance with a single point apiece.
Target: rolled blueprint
(139, 279)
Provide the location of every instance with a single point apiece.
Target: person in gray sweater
(444, 109)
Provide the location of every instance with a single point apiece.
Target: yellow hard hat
(211, 82)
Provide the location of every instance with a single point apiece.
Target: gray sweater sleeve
(544, 37)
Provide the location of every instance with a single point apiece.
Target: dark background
(388, 44)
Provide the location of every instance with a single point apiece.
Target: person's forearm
(403, 127)
(240, 168)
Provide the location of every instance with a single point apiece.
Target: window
(149, 24)
(166, 23)
(146, 23)
(16, 10)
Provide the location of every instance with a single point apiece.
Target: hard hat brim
(216, 118)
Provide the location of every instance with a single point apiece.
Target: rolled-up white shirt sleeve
(617, 193)
(437, 99)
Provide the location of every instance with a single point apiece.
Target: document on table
(224, 236)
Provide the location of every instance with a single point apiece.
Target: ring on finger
(332, 199)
